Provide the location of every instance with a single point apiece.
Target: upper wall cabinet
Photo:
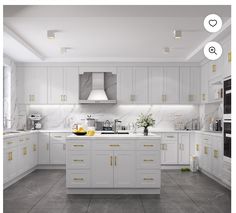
(227, 57)
(164, 85)
(63, 85)
(132, 85)
(189, 85)
(32, 85)
(204, 83)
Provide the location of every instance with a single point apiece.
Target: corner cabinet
(63, 85)
(32, 85)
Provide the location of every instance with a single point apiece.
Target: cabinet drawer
(58, 136)
(77, 179)
(148, 144)
(78, 146)
(78, 160)
(10, 142)
(206, 139)
(169, 136)
(148, 179)
(148, 159)
(113, 144)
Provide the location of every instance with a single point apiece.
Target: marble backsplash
(64, 116)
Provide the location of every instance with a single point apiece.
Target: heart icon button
(212, 22)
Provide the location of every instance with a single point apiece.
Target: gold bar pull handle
(197, 147)
(114, 145)
(148, 145)
(111, 160)
(9, 156)
(47, 146)
(148, 160)
(78, 145)
(206, 150)
(115, 160)
(78, 179)
(148, 178)
(34, 147)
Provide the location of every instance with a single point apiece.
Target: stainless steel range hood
(98, 94)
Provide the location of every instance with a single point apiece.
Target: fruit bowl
(80, 133)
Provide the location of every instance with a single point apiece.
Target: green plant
(145, 120)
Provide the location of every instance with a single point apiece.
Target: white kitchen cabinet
(125, 90)
(204, 82)
(63, 85)
(57, 148)
(43, 148)
(217, 156)
(206, 153)
(227, 56)
(189, 84)
(32, 85)
(183, 148)
(156, 85)
(10, 164)
(24, 154)
(216, 69)
(169, 151)
(34, 148)
(124, 169)
(171, 85)
(102, 172)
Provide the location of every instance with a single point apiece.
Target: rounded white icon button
(212, 50)
(212, 23)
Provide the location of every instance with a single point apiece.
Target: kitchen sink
(113, 133)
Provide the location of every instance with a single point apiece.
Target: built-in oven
(227, 138)
(227, 98)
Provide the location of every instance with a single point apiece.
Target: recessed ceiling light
(166, 50)
(51, 34)
(177, 34)
(64, 50)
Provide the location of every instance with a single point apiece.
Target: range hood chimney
(97, 93)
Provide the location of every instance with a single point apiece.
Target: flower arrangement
(145, 121)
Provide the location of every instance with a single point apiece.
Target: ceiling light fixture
(64, 50)
(51, 34)
(166, 50)
(177, 34)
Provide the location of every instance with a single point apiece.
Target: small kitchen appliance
(35, 119)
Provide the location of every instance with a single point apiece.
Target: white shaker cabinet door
(204, 83)
(32, 85)
(102, 169)
(55, 85)
(43, 148)
(71, 85)
(156, 85)
(183, 148)
(140, 79)
(124, 169)
(185, 85)
(171, 85)
(195, 73)
(10, 163)
(125, 91)
(169, 154)
(227, 57)
(57, 148)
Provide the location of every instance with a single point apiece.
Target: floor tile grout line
(46, 193)
(89, 204)
(186, 193)
(142, 204)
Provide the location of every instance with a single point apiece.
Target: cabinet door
(71, 85)
(10, 163)
(140, 80)
(125, 92)
(206, 153)
(34, 148)
(204, 83)
(156, 85)
(227, 57)
(171, 85)
(43, 148)
(57, 148)
(24, 157)
(169, 152)
(194, 85)
(185, 85)
(55, 85)
(124, 169)
(32, 84)
(183, 148)
(102, 169)
(217, 156)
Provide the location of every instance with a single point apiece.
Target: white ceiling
(107, 33)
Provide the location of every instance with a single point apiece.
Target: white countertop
(154, 132)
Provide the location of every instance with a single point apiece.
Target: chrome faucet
(115, 125)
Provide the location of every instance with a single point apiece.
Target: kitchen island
(113, 164)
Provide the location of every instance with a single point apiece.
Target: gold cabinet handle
(114, 145)
(27, 139)
(213, 67)
(165, 146)
(79, 179)
(115, 160)
(148, 178)
(197, 147)
(170, 136)
(205, 150)
(148, 160)
(216, 153)
(9, 156)
(25, 151)
(78, 160)
(34, 147)
(163, 97)
(78, 145)
(203, 97)
(57, 136)
(148, 145)
(65, 97)
(9, 142)
(110, 160)
(229, 56)
(47, 147)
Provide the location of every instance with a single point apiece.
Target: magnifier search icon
(212, 50)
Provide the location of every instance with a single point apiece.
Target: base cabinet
(183, 147)
(43, 144)
(10, 164)
(57, 148)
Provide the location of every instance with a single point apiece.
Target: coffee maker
(35, 119)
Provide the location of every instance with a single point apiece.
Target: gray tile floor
(44, 191)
